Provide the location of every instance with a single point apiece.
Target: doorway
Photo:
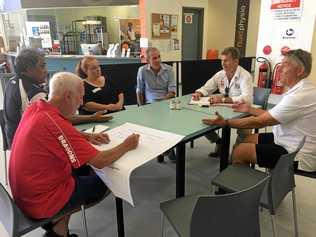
(192, 33)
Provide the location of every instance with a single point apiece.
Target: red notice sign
(282, 4)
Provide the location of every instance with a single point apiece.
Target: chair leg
(5, 168)
(273, 225)
(84, 220)
(295, 213)
(162, 229)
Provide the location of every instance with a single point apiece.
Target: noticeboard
(164, 26)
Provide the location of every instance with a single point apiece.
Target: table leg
(119, 217)
(180, 170)
(225, 149)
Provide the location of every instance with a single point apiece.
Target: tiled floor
(155, 182)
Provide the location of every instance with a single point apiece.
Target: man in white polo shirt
(234, 84)
(292, 119)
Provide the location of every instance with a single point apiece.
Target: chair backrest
(282, 180)
(261, 96)
(7, 212)
(234, 214)
(4, 135)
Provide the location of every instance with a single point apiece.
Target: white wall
(253, 27)
(221, 29)
(221, 26)
(175, 8)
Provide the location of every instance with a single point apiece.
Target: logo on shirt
(67, 148)
(96, 90)
(222, 83)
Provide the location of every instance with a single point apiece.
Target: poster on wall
(286, 9)
(164, 26)
(284, 25)
(39, 30)
(130, 34)
(188, 18)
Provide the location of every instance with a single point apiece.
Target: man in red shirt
(45, 150)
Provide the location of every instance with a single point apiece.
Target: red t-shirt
(45, 149)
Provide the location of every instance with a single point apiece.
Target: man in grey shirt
(155, 80)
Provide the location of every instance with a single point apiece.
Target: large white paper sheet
(152, 143)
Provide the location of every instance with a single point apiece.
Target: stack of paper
(203, 101)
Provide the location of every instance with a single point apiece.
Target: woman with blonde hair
(101, 93)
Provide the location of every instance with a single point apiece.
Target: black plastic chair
(18, 224)
(261, 96)
(238, 177)
(5, 146)
(228, 215)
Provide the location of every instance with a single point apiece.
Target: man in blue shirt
(155, 80)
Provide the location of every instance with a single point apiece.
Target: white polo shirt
(240, 86)
(296, 113)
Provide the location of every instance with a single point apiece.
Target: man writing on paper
(235, 86)
(26, 88)
(292, 119)
(155, 81)
(45, 150)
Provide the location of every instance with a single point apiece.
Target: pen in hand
(93, 129)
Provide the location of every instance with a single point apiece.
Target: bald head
(62, 82)
(66, 91)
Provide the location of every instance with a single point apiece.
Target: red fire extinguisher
(264, 73)
(277, 87)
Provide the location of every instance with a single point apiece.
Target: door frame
(200, 30)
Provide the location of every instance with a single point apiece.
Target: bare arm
(263, 120)
(97, 117)
(93, 106)
(105, 158)
(140, 98)
(171, 94)
(246, 108)
(120, 102)
(260, 121)
(197, 95)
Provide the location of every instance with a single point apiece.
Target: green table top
(186, 121)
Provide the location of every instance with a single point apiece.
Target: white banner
(284, 25)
